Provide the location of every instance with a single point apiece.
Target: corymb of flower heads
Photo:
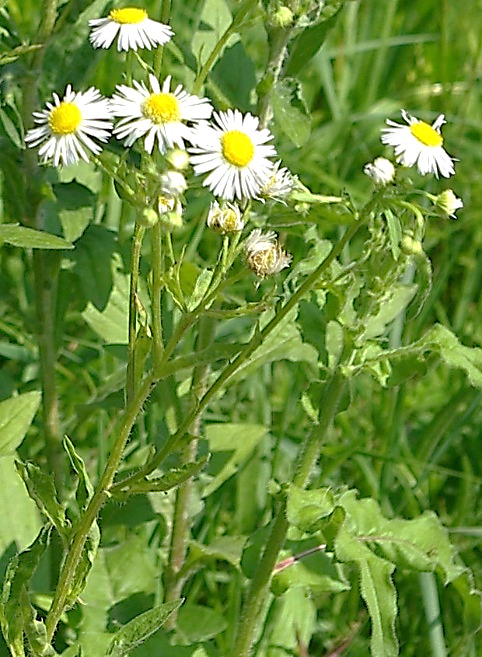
(67, 128)
(235, 152)
(134, 27)
(419, 143)
(158, 113)
(381, 171)
(264, 254)
(225, 218)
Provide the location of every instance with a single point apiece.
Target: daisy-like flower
(67, 128)
(235, 152)
(225, 218)
(157, 114)
(419, 143)
(381, 171)
(279, 185)
(134, 27)
(264, 254)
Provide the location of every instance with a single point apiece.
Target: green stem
(156, 293)
(242, 357)
(181, 521)
(237, 20)
(279, 39)
(251, 615)
(132, 374)
(98, 499)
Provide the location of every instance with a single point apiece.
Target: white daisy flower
(134, 27)
(236, 154)
(264, 254)
(158, 113)
(225, 218)
(279, 185)
(67, 126)
(419, 143)
(381, 171)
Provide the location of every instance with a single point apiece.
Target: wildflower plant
(209, 327)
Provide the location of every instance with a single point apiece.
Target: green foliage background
(413, 447)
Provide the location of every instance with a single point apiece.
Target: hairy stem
(156, 293)
(132, 374)
(251, 615)
(98, 499)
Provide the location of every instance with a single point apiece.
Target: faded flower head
(264, 255)
(381, 171)
(134, 27)
(225, 218)
(419, 143)
(67, 128)
(170, 212)
(279, 185)
(448, 203)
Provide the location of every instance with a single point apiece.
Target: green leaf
(214, 19)
(305, 508)
(112, 323)
(197, 623)
(290, 111)
(16, 415)
(235, 76)
(41, 488)
(200, 288)
(85, 490)
(455, 354)
(140, 628)
(390, 306)
(87, 559)
(171, 479)
(240, 439)
(29, 238)
(15, 608)
(93, 264)
(320, 576)
(226, 548)
(377, 590)
(19, 518)
(15, 53)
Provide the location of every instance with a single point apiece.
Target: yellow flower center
(237, 147)
(425, 134)
(65, 119)
(162, 108)
(128, 15)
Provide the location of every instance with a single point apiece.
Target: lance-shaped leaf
(175, 477)
(85, 490)
(84, 566)
(140, 628)
(16, 415)
(15, 608)
(41, 488)
(28, 238)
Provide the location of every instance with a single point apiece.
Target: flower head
(225, 218)
(264, 254)
(159, 113)
(381, 171)
(279, 184)
(235, 152)
(173, 183)
(448, 203)
(419, 143)
(134, 27)
(67, 128)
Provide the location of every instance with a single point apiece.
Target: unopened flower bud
(381, 171)
(148, 218)
(173, 183)
(282, 17)
(264, 254)
(225, 218)
(448, 203)
(170, 212)
(178, 158)
(411, 246)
